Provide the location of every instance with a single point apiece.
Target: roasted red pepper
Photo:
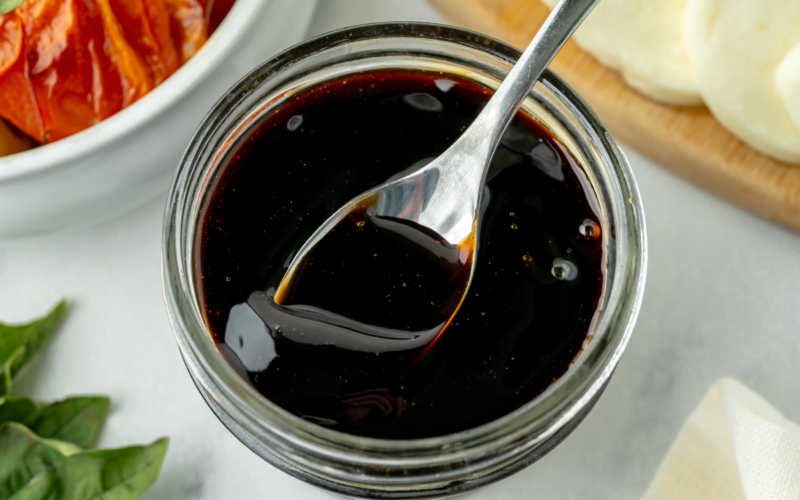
(68, 64)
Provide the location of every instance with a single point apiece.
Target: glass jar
(418, 468)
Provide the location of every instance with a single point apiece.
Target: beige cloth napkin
(735, 446)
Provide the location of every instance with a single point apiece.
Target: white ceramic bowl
(130, 158)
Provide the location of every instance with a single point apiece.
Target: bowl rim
(40, 160)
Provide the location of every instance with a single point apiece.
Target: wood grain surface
(687, 140)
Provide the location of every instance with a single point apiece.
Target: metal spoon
(445, 195)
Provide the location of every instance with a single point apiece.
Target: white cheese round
(643, 40)
(787, 81)
(736, 48)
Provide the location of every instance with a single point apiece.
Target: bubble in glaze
(564, 270)
(589, 229)
(294, 122)
(423, 102)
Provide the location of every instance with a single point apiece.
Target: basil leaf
(34, 469)
(17, 409)
(127, 472)
(12, 341)
(7, 6)
(18, 344)
(75, 420)
(27, 464)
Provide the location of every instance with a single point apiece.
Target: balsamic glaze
(537, 281)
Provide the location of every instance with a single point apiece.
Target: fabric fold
(734, 446)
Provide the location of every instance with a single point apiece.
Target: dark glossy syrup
(393, 266)
(537, 282)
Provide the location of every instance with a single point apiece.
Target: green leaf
(17, 410)
(18, 344)
(41, 486)
(12, 341)
(7, 6)
(25, 463)
(34, 469)
(127, 472)
(76, 420)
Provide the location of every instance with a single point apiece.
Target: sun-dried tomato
(66, 65)
(189, 27)
(10, 41)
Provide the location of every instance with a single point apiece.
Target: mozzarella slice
(787, 80)
(736, 47)
(643, 40)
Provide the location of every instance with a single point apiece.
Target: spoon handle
(453, 183)
(556, 30)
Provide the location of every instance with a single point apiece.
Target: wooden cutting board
(687, 140)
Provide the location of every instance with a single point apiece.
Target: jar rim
(212, 373)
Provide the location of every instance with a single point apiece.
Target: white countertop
(722, 299)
